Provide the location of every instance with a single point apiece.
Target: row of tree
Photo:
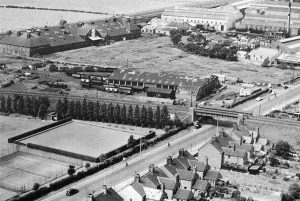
(114, 113)
(28, 105)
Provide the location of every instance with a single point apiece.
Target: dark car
(71, 191)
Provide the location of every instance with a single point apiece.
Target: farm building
(221, 18)
(45, 40)
(169, 84)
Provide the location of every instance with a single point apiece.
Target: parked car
(71, 191)
(258, 98)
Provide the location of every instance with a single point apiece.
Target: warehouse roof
(159, 90)
(24, 41)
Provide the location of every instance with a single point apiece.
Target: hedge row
(34, 194)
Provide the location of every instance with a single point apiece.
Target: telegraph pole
(289, 18)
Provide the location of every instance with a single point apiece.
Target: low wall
(37, 130)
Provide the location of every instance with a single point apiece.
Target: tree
(110, 113)
(96, 111)
(42, 111)
(2, 104)
(71, 170)
(283, 149)
(136, 115)
(77, 110)
(8, 105)
(175, 36)
(143, 118)
(36, 106)
(71, 109)
(123, 114)
(27, 106)
(64, 108)
(84, 115)
(287, 197)
(103, 112)
(58, 109)
(20, 105)
(90, 111)
(117, 113)
(150, 116)
(131, 140)
(130, 115)
(273, 160)
(15, 103)
(294, 190)
(36, 186)
(164, 116)
(265, 62)
(157, 117)
(178, 123)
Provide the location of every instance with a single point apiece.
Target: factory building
(164, 85)
(45, 40)
(272, 16)
(221, 18)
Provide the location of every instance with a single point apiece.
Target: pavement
(119, 175)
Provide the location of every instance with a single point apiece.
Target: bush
(36, 186)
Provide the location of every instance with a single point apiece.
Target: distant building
(66, 36)
(260, 54)
(107, 194)
(221, 18)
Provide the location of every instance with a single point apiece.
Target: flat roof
(84, 138)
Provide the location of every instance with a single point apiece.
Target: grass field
(157, 54)
(83, 138)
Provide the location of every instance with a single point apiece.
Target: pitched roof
(220, 141)
(185, 174)
(138, 187)
(170, 169)
(169, 183)
(159, 90)
(228, 151)
(183, 194)
(201, 185)
(30, 42)
(246, 147)
(212, 175)
(150, 179)
(153, 194)
(262, 141)
(199, 165)
(111, 195)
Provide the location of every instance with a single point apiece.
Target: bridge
(220, 113)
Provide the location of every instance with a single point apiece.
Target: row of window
(199, 21)
(137, 84)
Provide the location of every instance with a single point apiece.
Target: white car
(258, 98)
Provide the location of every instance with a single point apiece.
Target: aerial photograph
(149, 100)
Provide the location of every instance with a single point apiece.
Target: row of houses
(45, 40)
(164, 85)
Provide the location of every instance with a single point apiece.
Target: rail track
(273, 121)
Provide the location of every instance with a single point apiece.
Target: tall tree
(110, 113)
(130, 115)
(90, 111)
(77, 111)
(65, 105)
(71, 109)
(20, 105)
(28, 106)
(136, 115)
(123, 114)
(42, 111)
(150, 116)
(96, 111)
(164, 116)
(143, 118)
(15, 103)
(58, 109)
(8, 105)
(36, 106)
(84, 115)
(117, 113)
(103, 112)
(2, 104)
(157, 117)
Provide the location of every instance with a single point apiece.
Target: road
(120, 175)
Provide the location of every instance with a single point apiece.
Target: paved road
(119, 175)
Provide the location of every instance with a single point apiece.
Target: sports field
(84, 138)
(19, 171)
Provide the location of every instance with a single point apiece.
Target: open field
(11, 126)
(157, 54)
(19, 171)
(84, 138)
(6, 194)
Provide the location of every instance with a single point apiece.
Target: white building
(222, 18)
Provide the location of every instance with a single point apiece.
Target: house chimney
(169, 160)
(257, 131)
(214, 138)
(38, 33)
(195, 169)
(181, 152)
(90, 197)
(104, 188)
(137, 178)
(28, 35)
(252, 137)
(233, 147)
(19, 33)
(241, 140)
(163, 187)
(151, 168)
(222, 132)
(206, 160)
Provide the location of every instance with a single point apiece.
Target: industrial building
(221, 18)
(272, 16)
(164, 85)
(45, 40)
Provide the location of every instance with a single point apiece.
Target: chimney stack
(137, 178)
(241, 140)
(104, 188)
(19, 33)
(214, 138)
(206, 160)
(195, 169)
(169, 160)
(233, 147)
(163, 187)
(90, 197)
(181, 152)
(151, 168)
